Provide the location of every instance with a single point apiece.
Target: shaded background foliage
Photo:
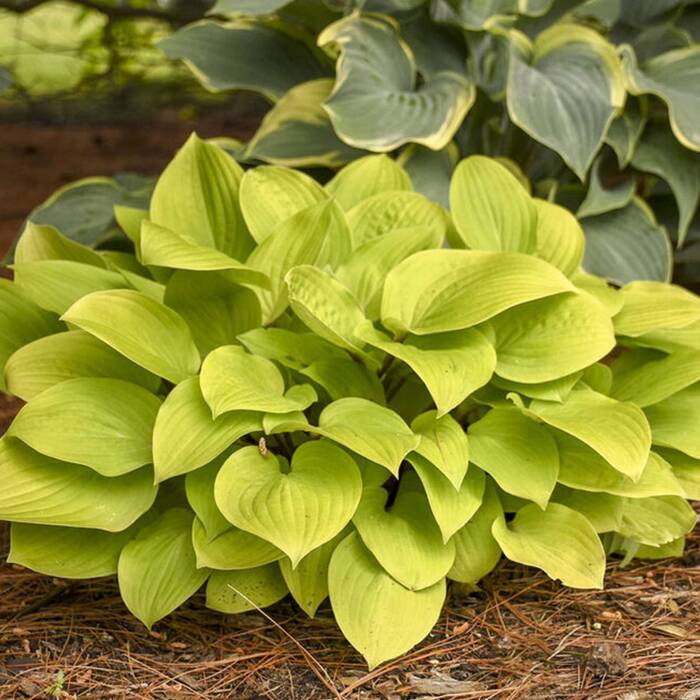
(458, 76)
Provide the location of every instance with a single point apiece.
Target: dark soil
(37, 159)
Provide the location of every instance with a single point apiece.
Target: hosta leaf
(55, 285)
(105, 424)
(231, 549)
(627, 244)
(545, 87)
(382, 213)
(601, 199)
(602, 510)
(672, 339)
(234, 380)
(199, 490)
(616, 430)
(228, 56)
(196, 197)
(43, 491)
(431, 171)
(22, 321)
(451, 365)
(657, 379)
(250, 589)
(381, 110)
(297, 131)
(157, 570)
(444, 444)
(517, 452)
(165, 248)
(583, 469)
(377, 615)
(624, 132)
(366, 177)
(372, 431)
(341, 377)
(555, 390)
(271, 194)
(304, 506)
(185, 435)
(491, 209)
(364, 273)
(326, 307)
(148, 333)
(657, 521)
(47, 243)
(560, 239)
(659, 153)
(447, 290)
(674, 420)
(298, 240)
(611, 298)
(451, 507)
(476, 549)
(50, 360)
(404, 538)
(686, 470)
(651, 306)
(558, 540)
(129, 220)
(290, 349)
(551, 338)
(308, 582)
(66, 552)
(673, 76)
(216, 310)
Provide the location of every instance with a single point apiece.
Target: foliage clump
(294, 388)
(596, 101)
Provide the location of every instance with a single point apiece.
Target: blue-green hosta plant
(596, 102)
(289, 389)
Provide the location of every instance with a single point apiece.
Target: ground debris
(520, 637)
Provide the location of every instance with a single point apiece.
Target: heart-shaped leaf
(304, 507)
(234, 380)
(669, 420)
(658, 520)
(381, 110)
(560, 239)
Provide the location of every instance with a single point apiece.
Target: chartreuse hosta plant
(290, 389)
(595, 101)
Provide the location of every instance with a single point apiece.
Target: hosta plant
(289, 389)
(595, 101)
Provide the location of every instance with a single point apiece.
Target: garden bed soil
(519, 637)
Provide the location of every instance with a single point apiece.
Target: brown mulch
(520, 636)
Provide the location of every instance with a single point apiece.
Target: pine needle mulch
(520, 637)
